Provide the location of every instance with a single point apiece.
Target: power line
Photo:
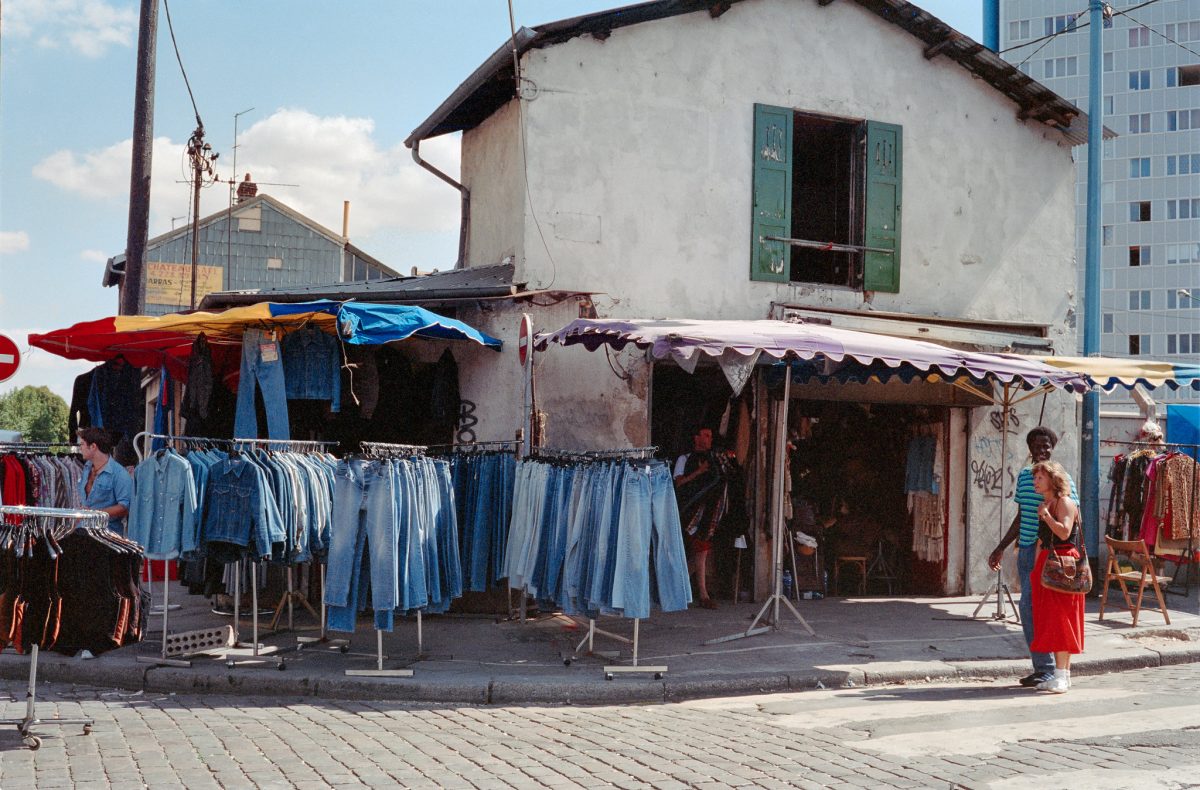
(1047, 39)
(1074, 26)
(1157, 33)
(188, 85)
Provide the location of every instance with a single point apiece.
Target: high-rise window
(1181, 120)
(1183, 164)
(1135, 345)
(1182, 76)
(1058, 24)
(1183, 253)
(1108, 323)
(1139, 300)
(1139, 167)
(1139, 124)
(1187, 208)
(1018, 30)
(1183, 31)
(1139, 256)
(1061, 67)
(1187, 343)
(1139, 211)
(1139, 36)
(1108, 61)
(1139, 80)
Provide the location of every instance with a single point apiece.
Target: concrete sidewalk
(482, 660)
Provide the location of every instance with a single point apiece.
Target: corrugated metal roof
(474, 282)
(492, 84)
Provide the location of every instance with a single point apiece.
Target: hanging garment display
(79, 416)
(198, 395)
(68, 587)
(483, 492)
(262, 368)
(40, 479)
(241, 516)
(162, 517)
(115, 398)
(164, 407)
(597, 536)
(312, 364)
(399, 515)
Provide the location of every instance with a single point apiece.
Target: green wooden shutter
(881, 271)
(772, 194)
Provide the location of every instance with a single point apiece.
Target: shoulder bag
(1071, 575)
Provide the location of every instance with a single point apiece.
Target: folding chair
(1143, 573)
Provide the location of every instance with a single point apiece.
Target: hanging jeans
(650, 559)
(364, 512)
(261, 364)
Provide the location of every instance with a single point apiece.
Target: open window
(826, 200)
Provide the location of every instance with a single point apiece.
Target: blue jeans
(1026, 557)
(261, 364)
(364, 512)
(650, 559)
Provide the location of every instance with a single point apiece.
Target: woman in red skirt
(1057, 616)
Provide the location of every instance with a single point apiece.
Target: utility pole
(139, 174)
(201, 155)
(1089, 448)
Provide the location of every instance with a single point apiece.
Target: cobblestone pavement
(1135, 729)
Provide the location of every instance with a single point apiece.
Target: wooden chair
(1143, 573)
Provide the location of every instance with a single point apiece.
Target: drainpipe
(466, 203)
(991, 24)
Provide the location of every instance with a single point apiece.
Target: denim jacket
(312, 366)
(162, 517)
(239, 508)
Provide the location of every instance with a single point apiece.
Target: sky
(328, 92)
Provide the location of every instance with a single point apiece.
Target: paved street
(1135, 729)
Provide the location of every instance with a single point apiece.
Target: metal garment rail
(257, 649)
(594, 456)
(1189, 558)
(71, 519)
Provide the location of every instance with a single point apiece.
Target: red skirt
(1057, 616)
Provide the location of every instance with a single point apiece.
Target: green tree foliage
(39, 414)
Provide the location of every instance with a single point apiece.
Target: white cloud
(94, 256)
(89, 27)
(13, 241)
(331, 159)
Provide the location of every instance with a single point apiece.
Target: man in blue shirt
(105, 485)
(1024, 530)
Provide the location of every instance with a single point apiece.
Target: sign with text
(171, 283)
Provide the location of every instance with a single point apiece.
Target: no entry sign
(10, 358)
(525, 339)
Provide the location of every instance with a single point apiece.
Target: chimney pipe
(345, 219)
(246, 190)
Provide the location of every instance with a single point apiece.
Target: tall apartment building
(1150, 261)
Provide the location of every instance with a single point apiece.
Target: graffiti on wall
(996, 418)
(992, 480)
(466, 422)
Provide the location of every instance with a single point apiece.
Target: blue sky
(335, 87)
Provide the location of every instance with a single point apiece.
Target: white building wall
(640, 181)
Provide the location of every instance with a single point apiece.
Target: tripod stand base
(1000, 614)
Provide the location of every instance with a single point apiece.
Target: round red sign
(10, 358)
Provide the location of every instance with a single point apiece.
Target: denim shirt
(239, 507)
(163, 515)
(112, 486)
(312, 366)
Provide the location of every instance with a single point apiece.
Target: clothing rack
(474, 447)
(382, 450)
(1189, 557)
(33, 446)
(73, 519)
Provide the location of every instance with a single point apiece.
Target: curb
(517, 691)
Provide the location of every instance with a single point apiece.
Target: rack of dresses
(394, 506)
(1153, 497)
(54, 592)
(598, 533)
(45, 474)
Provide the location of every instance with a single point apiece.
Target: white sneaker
(1057, 684)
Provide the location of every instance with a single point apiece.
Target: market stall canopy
(1108, 373)
(852, 354)
(151, 341)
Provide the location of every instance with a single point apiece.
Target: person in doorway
(1024, 531)
(105, 484)
(698, 492)
(1058, 616)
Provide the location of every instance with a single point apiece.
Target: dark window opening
(1189, 75)
(1135, 345)
(1135, 256)
(1140, 211)
(827, 192)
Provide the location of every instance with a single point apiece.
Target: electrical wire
(1047, 39)
(182, 70)
(1155, 32)
(525, 152)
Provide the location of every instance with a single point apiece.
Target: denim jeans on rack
(524, 535)
(364, 512)
(413, 593)
(478, 510)
(261, 365)
(608, 530)
(447, 535)
(649, 544)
